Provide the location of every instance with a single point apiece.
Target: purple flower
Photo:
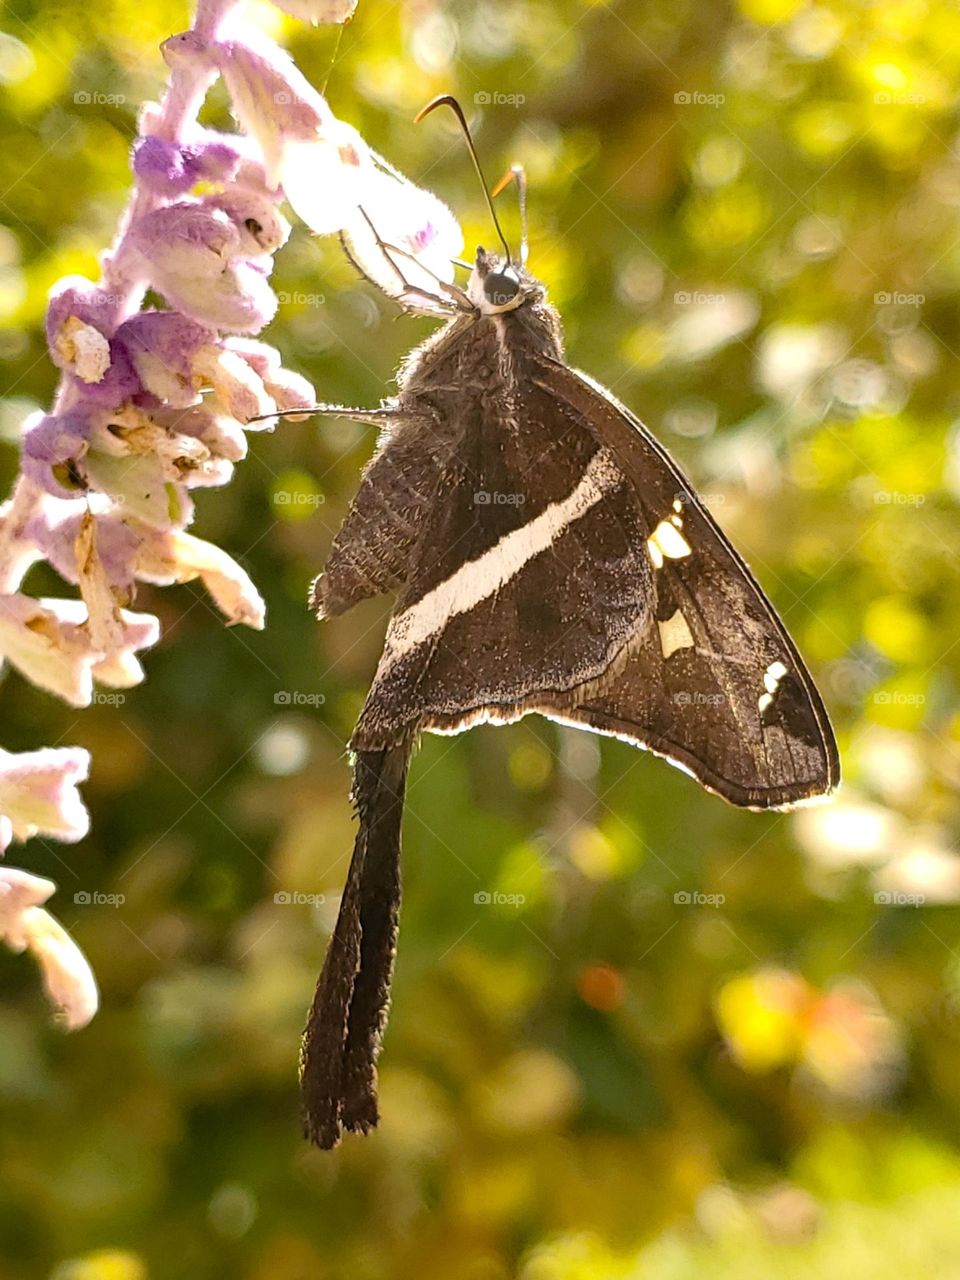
(239, 299)
(52, 446)
(186, 239)
(153, 404)
(174, 168)
(162, 346)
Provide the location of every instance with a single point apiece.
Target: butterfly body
(547, 556)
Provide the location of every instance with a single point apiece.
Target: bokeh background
(704, 1041)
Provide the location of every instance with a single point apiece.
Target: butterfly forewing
(530, 576)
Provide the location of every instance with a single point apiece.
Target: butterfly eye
(501, 287)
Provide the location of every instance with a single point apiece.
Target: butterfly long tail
(346, 1022)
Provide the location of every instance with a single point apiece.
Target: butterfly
(546, 555)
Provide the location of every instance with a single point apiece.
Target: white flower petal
(39, 795)
(323, 177)
(67, 977)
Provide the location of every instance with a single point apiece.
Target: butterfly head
(498, 285)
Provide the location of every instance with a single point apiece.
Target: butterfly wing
(716, 685)
(569, 568)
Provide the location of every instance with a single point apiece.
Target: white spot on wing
(667, 542)
(674, 634)
(771, 683)
(773, 675)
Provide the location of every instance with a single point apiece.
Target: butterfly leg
(384, 413)
(455, 298)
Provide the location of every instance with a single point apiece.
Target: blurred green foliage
(748, 215)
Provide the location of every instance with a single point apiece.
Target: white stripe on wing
(478, 579)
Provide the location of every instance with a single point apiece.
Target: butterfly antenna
(516, 173)
(446, 100)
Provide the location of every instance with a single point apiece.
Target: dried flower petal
(48, 642)
(75, 300)
(102, 598)
(239, 389)
(180, 557)
(67, 977)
